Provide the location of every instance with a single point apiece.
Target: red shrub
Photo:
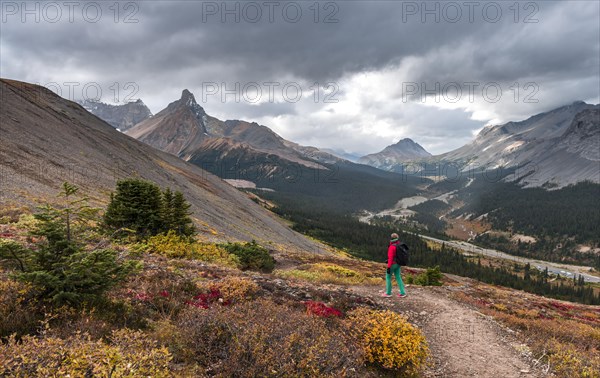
(321, 309)
(205, 300)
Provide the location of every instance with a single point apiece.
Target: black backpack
(401, 257)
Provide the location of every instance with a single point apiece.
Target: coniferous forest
(559, 220)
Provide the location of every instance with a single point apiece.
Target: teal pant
(395, 270)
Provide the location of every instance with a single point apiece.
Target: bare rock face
(403, 151)
(121, 117)
(559, 147)
(583, 136)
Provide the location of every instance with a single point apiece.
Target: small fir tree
(59, 265)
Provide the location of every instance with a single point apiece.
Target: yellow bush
(500, 307)
(214, 254)
(237, 288)
(170, 245)
(329, 273)
(11, 214)
(389, 340)
(337, 270)
(526, 313)
(174, 246)
(27, 221)
(567, 361)
(299, 274)
(131, 354)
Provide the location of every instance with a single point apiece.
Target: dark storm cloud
(366, 35)
(186, 44)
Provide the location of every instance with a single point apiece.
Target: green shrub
(252, 256)
(431, 277)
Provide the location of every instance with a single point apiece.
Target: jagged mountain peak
(173, 129)
(185, 102)
(187, 97)
(120, 116)
(184, 129)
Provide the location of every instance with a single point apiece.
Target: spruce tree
(167, 209)
(142, 207)
(136, 205)
(181, 221)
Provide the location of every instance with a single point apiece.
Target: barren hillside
(47, 140)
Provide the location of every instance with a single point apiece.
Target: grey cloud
(172, 47)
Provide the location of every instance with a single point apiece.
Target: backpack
(401, 257)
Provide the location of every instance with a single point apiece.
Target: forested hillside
(370, 242)
(572, 212)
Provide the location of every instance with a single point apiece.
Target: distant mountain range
(552, 149)
(404, 151)
(122, 117)
(184, 129)
(251, 155)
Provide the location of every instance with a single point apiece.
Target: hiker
(393, 268)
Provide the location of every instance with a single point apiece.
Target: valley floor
(555, 268)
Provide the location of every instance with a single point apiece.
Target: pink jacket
(391, 253)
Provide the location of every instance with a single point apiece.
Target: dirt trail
(463, 342)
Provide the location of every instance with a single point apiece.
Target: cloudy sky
(349, 75)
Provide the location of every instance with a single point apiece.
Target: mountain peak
(404, 150)
(188, 100)
(187, 97)
(405, 141)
